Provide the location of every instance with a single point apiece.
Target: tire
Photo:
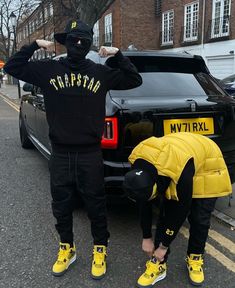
(24, 139)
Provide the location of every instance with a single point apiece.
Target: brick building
(133, 23)
(39, 25)
(203, 27)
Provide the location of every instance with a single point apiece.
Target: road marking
(10, 103)
(220, 257)
(223, 241)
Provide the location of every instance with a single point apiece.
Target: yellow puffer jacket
(170, 153)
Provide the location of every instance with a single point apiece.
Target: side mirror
(27, 87)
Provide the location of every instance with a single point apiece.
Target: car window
(175, 85)
(170, 77)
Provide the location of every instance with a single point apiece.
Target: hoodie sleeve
(145, 215)
(19, 66)
(125, 76)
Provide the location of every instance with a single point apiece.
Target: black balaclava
(77, 48)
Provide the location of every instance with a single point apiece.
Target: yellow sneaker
(155, 272)
(98, 268)
(66, 256)
(194, 265)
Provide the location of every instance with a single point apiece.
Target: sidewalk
(225, 207)
(11, 91)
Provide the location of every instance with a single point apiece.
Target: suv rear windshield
(169, 76)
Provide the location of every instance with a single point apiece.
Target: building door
(221, 66)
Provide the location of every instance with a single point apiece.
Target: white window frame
(45, 13)
(96, 34)
(219, 23)
(108, 30)
(51, 9)
(167, 27)
(40, 18)
(191, 33)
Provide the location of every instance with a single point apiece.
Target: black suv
(178, 94)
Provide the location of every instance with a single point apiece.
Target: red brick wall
(139, 24)
(134, 22)
(116, 24)
(232, 23)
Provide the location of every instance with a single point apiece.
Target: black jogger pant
(199, 219)
(70, 172)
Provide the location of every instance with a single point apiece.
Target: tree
(21, 9)
(89, 11)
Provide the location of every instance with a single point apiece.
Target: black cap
(138, 184)
(75, 27)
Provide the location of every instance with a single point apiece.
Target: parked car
(178, 94)
(228, 84)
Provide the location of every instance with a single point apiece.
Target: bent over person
(74, 89)
(189, 172)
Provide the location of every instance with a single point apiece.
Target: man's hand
(47, 45)
(160, 253)
(107, 51)
(148, 246)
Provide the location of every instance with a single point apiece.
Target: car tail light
(110, 136)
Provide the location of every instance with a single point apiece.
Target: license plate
(203, 126)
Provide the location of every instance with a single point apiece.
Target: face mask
(77, 48)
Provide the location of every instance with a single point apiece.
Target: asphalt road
(28, 241)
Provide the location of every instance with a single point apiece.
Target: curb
(225, 218)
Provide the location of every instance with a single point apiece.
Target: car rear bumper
(114, 173)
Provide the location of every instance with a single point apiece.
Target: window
(167, 27)
(45, 13)
(191, 22)
(96, 34)
(30, 28)
(51, 9)
(36, 23)
(220, 18)
(33, 26)
(19, 36)
(108, 28)
(171, 78)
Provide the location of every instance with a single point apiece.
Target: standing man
(74, 90)
(188, 171)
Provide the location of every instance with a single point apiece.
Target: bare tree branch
(7, 35)
(88, 11)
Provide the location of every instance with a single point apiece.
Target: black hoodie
(74, 94)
